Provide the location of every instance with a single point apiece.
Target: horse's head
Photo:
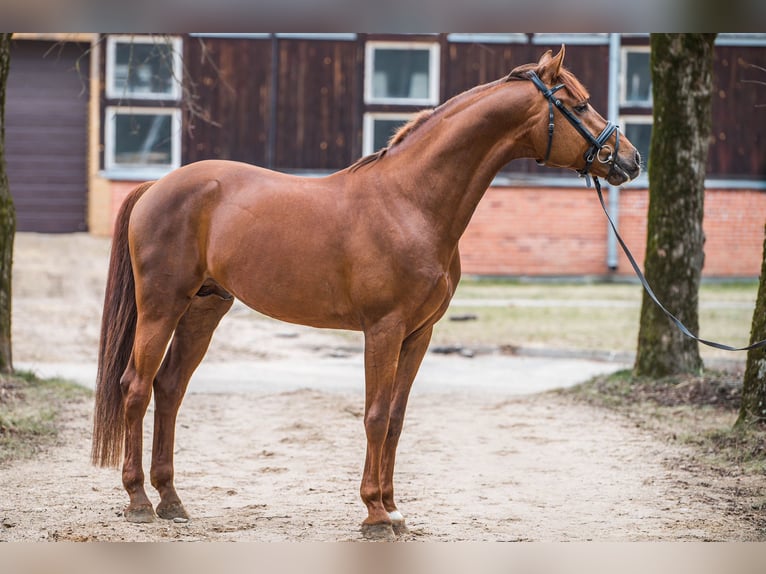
(565, 129)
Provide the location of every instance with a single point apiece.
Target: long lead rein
(651, 294)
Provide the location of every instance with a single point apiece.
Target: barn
(89, 116)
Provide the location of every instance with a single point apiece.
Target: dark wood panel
(738, 138)
(46, 135)
(233, 86)
(472, 64)
(319, 104)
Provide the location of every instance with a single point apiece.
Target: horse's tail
(118, 329)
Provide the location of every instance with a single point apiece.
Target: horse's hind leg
(154, 327)
(190, 342)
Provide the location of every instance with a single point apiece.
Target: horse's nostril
(638, 158)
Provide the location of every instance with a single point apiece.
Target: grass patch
(553, 327)
(29, 413)
(582, 316)
(697, 411)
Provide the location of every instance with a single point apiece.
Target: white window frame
(368, 137)
(433, 73)
(646, 119)
(571, 38)
(749, 39)
(488, 38)
(149, 170)
(115, 93)
(624, 101)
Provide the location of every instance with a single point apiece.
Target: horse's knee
(376, 423)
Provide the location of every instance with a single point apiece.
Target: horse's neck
(446, 165)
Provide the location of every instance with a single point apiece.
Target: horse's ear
(544, 59)
(549, 67)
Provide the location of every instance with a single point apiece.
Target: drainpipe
(271, 141)
(613, 113)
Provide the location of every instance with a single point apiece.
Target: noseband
(598, 149)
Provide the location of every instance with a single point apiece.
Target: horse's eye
(580, 108)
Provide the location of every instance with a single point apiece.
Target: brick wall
(561, 231)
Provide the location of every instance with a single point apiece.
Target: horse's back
(274, 240)
(192, 198)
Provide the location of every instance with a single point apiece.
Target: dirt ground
(285, 465)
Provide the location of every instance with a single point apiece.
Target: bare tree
(682, 85)
(7, 220)
(753, 406)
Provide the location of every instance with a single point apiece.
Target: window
(571, 38)
(142, 117)
(402, 73)
(378, 129)
(401, 78)
(635, 78)
(145, 138)
(638, 129)
(635, 84)
(143, 67)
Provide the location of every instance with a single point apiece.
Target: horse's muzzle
(624, 169)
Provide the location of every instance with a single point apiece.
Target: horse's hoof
(172, 510)
(397, 522)
(141, 514)
(400, 528)
(381, 532)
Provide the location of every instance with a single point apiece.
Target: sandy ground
(477, 462)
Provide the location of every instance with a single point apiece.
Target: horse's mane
(571, 84)
(401, 133)
(410, 126)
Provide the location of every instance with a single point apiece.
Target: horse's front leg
(383, 344)
(412, 353)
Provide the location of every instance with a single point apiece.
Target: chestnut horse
(373, 248)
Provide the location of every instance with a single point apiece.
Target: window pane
(383, 130)
(638, 84)
(640, 135)
(401, 73)
(143, 68)
(143, 139)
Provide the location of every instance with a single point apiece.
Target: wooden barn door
(46, 122)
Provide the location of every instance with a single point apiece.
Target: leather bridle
(598, 150)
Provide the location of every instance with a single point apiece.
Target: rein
(594, 152)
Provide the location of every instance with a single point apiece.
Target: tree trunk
(7, 220)
(682, 83)
(753, 406)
